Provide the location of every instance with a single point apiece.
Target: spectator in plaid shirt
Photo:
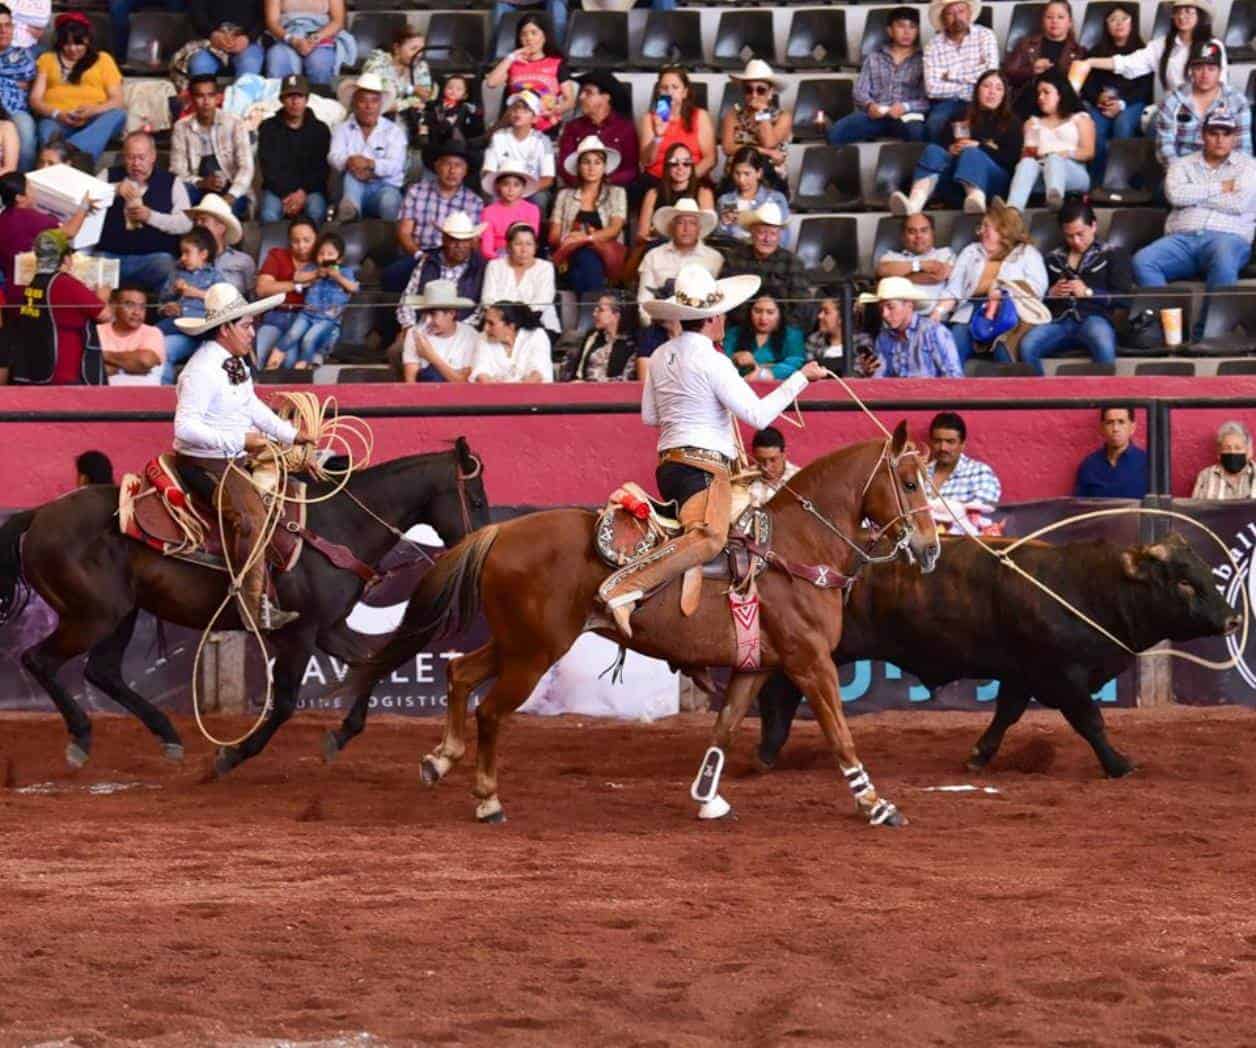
(784, 277)
(17, 72)
(890, 99)
(1181, 116)
(1233, 476)
(955, 476)
(954, 60)
(909, 344)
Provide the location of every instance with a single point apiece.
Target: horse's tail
(15, 591)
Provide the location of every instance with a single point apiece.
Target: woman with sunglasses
(758, 121)
(674, 118)
(680, 179)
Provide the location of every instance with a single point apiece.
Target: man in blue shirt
(1118, 470)
(909, 345)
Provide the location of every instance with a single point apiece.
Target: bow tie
(237, 371)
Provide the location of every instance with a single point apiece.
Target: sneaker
(899, 204)
(1055, 199)
(975, 202)
(346, 211)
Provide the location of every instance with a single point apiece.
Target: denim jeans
(1184, 256)
(585, 271)
(965, 347)
(941, 115)
(973, 167)
(307, 340)
(240, 208)
(555, 9)
(273, 327)
(1054, 172)
(374, 199)
(179, 349)
(27, 138)
(272, 208)
(1127, 124)
(92, 138)
(250, 60)
(319, 66)
(1094, 334)
(120, 19)
(860, 127)
(149, 271)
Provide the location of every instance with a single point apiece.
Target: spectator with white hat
(958, 54)
(910, 344)
(783, 275)
(599, 98)
(518, 144)
(509, 186)
(759, 120)
(235, 266)
(371, 151)
(586, 233)
(440, 347)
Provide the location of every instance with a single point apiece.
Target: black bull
(973, 618)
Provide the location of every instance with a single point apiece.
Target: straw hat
(698, 295)
(459, 226)
(366, 82)
(1205, 6)
(438, 294)
(684, 206)
(592, 144)
(757, 69)
(510, 167)
(891, 288)
(766, 214)
(938, 6)
(223, 304)
(215, 207)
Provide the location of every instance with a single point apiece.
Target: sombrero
(223, 304)
(593, 144)
(891, 288)
(698, 295)
(684, 206)
(213, 205)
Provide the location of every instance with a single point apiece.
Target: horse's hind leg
(465, 675)
(351, 727)
(705, 790)
(104, 671)
(515, 681)
(289, 664)
(43, 662)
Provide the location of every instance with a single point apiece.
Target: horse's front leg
(706, 786)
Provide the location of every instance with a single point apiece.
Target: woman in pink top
(509, 187)
(538, 66)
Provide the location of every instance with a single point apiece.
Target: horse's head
(895, 500)
(459, 505)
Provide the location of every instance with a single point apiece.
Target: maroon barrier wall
(577, 442)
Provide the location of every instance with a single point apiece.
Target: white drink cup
(1171, 322)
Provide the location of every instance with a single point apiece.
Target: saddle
(157, 510)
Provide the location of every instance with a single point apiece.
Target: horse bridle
(462, 480)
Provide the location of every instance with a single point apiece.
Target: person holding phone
(674, 118)
(909, 344)
(758, 122)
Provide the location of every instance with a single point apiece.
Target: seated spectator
(555, 10)
(215, 217)
(92, 467)
(1001, 256)
(147, 215)
(78, 89)
(518, 145)
(890, 99)
(599, 119)
(232, 31)
(958, 479)
(519, 276)
(311, 40)
(134, 352)
(909, 344)
(1209, 230)
(210, 150)
(1053, 49)
(21, 222)
(1088, 280)
(1118, 470)
(608, 353)
(767, 448)
(17, 74)
(439, 347)
(536, 65)
(508, 186)
(978, 161)
(826, 343)
(759, 122)
(61, 152)
(427, 205)
(686, 225)
(184, 296)
(1114, 103)
(1059, 142)
(765, 348)
(316, 329)
(674, 118)
(921, 261)
(292, 150)
(452, 119)
(456, 260)
(784, 277)
(1233, 476)
(513, 347)
(47, 336)
(748, 194)
(679, 182)
(1181, 115)
(402, 69)
(371, 151)
(287, 271)
(955, 59)
(586, 234)
(30, 19)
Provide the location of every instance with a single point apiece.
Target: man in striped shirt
(1233, 475)
(954, 60)
(890, 100)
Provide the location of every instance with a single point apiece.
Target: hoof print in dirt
(331, 747)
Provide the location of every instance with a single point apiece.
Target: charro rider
(219, 421)
(690, 391)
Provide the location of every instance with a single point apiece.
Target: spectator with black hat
(600, 116)
(1181, 116)
(292, 150)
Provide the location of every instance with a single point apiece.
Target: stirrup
(621, 609)
(274, 618)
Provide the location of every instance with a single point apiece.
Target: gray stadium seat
(975, 367)
(374, 29)
(598, 39)
(829, 249)
(874, 31)
(1135, 228)
(1230, 324)
(285, 377)
(1084, 367)
(455, 41)
(1026, 21)
(1133, 175)
(346, 376)
(832, 97)
(829, 180)
(964, 231)
(741, 36)
(671, 38)
(1044, 231)
(817, 40)
(1240, 29)
(895, 163)
(1164, 367)
(271, 235)
(1236, 367)
(155, 37)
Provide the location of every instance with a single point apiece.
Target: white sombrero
(215, 207)
(938, 6)
(766, 214)
(366, 82)
(698, 295)
(684, 206)
(223, 304)
(438, 294)
(458, 225)
(757, 69)
(891, 288)
(510, 167)
(593, 144)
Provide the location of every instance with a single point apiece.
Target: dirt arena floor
(346, 905)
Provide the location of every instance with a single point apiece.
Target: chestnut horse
(536, 578)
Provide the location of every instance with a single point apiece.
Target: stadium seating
(1230, 324)
(975, 367)
(374, 29)
(504, 38)
(895, 163)
(1135, 228)
(1044, 231)
(829, 180)
(1026, 21)
(1240, 30)
(671, 38)
(455, 42)
(598, 39)
(1134, 175)
(741, 36)
(829, 249)
(817, 40)
(1084, 367)
(828, 96)
(155, 37)
(1164, 367)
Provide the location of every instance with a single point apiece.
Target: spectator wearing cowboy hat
(890, 99)
(758, 121)
(234, 266)
(292, 150)
(518, 144)
(427, 205)
(957, 55)
(1179, 124)
(782, 273)
(210, 150)
(586, 233)
(371, 151)
(909, 344)
(439, 347)
(600, 118)
(508, 186)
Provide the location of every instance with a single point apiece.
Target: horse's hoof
(490, 812)
(173, 752)
(76, 755)
(883, 813)
(764, 763)
(225, 760)
(429, 773)
(897, 820)
(1119, 771)
(977, 761)
(495, 819)
(331, 747)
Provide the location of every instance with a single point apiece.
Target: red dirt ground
(303, 902)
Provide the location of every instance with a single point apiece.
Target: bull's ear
(1131, 563)
(899, 440)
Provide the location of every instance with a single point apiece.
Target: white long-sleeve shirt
(386, 146)
(214, 415)
(1147, 60)
(535, 289)
(531, 352)
(1200, 204)
(692, 387)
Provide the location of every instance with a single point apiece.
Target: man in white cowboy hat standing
(371, 151)
(219, 420)
(954, 61)
(685, 225)
(214, 215)
(689, 394)
(909, 344)
(440, 347)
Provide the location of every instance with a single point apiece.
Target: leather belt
(701, 454)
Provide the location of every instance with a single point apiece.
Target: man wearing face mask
(1234, 475)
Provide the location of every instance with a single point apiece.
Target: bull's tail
(15, 591)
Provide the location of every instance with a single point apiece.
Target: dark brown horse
(96, 580)
(536, 578)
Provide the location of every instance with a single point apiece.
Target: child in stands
(317, 327)
(183, 295)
